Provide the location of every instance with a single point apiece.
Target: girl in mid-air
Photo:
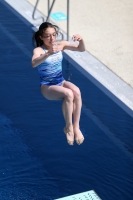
(47, 56)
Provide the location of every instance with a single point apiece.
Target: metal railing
(49, 12)
(34, 10)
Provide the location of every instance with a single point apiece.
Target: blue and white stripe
(50, 70)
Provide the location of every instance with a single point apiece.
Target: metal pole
(35, 10)
(67, 20)
(50, 10)
(48, 5)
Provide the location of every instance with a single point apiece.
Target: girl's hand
(77, 37)
(55, 48)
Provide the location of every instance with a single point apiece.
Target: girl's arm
(74, 47)
(38, 57)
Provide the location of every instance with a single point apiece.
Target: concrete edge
(114, 87)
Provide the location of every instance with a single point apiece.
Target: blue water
(36, 163)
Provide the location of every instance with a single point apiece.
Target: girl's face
(49, 36)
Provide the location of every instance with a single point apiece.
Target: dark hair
(42, 28)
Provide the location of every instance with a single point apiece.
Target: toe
(79, 138)
(69, 136)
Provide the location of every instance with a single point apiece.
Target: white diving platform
(89, 195)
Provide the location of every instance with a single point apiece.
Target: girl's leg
(77, 104)
(59, 93)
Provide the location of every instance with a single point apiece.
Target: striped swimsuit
(50, 70)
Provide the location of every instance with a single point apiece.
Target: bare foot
(79, 138)
(69, 135)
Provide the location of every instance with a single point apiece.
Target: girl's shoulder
(38, 49)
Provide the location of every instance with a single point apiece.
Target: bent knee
(77, 92)
(69, 94)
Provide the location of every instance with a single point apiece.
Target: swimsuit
(50, 70)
